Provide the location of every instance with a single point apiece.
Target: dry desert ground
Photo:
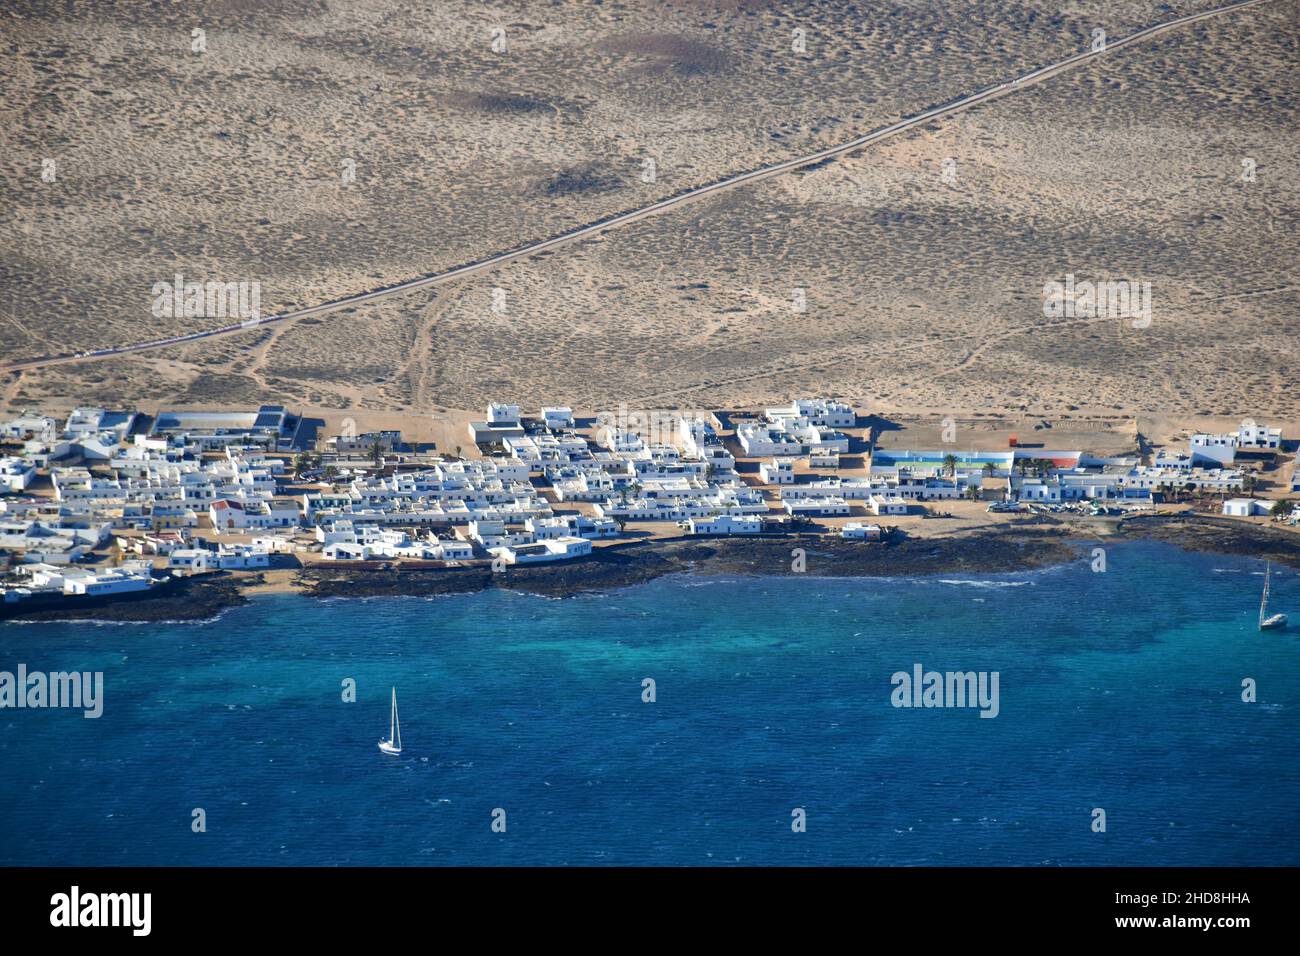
(922, 259)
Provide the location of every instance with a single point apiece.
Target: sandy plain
(922, 293)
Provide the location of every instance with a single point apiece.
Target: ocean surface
(1119, 690)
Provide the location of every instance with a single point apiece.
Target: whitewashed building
(888, 505)
(192, 559)
(242, 556)
(1247, 507)
(725, 524)
(777, 471)
(557, 417)
(817, 411)
(860, 531)
(559, 549)
(15, 475)
(826, 507)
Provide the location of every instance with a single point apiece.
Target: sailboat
(1268, 622)
(393, 745)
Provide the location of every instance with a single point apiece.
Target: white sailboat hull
(393, 745)
(1269, 622)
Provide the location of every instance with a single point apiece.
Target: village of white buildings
(113, 501)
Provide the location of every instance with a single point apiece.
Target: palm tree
(376, 451)
(990, 469)
(1249, 484)
(950, 464)
(1281, 508)
(301, 462)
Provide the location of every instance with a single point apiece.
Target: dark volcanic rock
(179, 599)
(1001, 550)
(1220, 535)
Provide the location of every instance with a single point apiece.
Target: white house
(828, 506)
(346, 551)
(41, 427)
(1247, 507)
(502, 415)
(242, 556)
(718, 461)
(1252, 437)
(557, 417)
(818, 411)
(1214, 450)
(558, 549)
(192, 559)
(1222, 448)
(586, 526)
(619, 439)
(229, 514)
(777, 471)
(106, 580)
(888, 505)
(15, 475)
(760, 440)
(725, 524)
(88, 422)
(451, 549)
(503, 422)
(860, 531)
(274, 544)
(926, 488)
(544, 529)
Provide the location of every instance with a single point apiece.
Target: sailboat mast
(1263, 599)
(392, 719)
(397, 722)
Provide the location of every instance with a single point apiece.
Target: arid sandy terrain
(922, 290)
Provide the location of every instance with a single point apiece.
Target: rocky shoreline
(995, 551)
(1023, 546)
(178, 599)
(1217, 535)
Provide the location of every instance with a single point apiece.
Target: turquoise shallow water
(1118, 690)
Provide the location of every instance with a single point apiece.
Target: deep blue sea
(1118, 690)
